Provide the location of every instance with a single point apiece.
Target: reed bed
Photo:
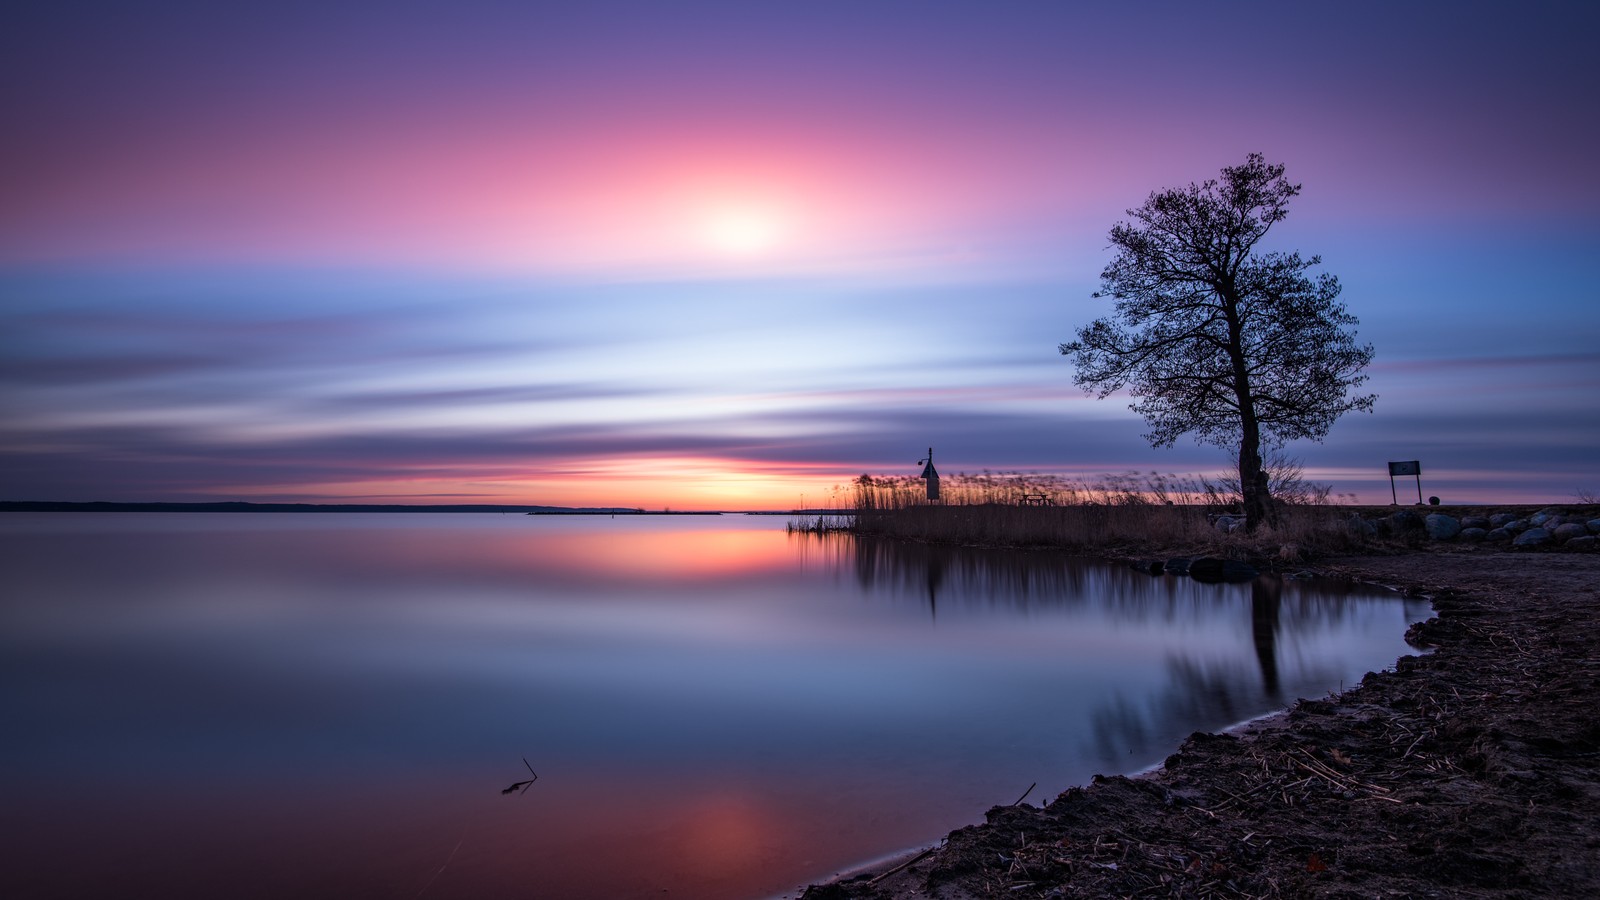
(1014, 488)
(1299, 531)
(1128, 512)
(820, 523)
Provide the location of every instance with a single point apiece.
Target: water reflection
(1200, 689)
(1266, 597)
(223, 705)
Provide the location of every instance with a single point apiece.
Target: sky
(732, 255)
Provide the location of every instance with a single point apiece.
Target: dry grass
(1301, 531)
(990, 488)
(1134, 512)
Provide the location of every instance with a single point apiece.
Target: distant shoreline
(243, 507)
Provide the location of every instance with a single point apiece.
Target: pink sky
(720, 255)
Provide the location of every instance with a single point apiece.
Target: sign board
(1405, 467)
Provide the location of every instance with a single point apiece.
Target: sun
(742, 231)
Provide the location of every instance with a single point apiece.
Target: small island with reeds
(1472, 767)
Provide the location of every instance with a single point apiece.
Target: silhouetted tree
(1210, 337)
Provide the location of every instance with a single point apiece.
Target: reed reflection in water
(330, 705)
(1292, 625)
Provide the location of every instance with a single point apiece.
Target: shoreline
(1452, 771)
(889, 862)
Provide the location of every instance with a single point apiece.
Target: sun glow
(742, 231)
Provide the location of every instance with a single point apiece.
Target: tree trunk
(1253, 488)
(1257, 496)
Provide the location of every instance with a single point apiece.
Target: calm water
(202, 705)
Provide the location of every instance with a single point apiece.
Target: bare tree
(1241, 349)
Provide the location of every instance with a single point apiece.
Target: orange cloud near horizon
(678, 483)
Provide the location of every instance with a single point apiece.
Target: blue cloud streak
(143, 389)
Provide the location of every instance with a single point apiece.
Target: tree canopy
(1212, 338)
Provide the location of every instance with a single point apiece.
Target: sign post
(1407, 467)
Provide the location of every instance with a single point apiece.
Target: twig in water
(524, 784)
(906, 864)
(441, 868)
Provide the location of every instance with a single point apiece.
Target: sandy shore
(1473, 770)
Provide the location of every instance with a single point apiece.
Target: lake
(330, 705)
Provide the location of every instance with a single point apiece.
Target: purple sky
(726, 255)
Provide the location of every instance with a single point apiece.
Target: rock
(1516, 526)
(1212, 569)
(1473, 535)
(1361, 527)
(1594, 526)
(1548, 513)
(1442, 527)
(1178, 566)
(1567, 532)
(1498, 536)
(1501, 520)
(1405, 520)
(1587, 542)
(1533, 537)
(1476, 522)
(1147, 566)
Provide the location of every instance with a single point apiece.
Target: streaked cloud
(726, 255)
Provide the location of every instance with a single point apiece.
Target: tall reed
(1125, 511)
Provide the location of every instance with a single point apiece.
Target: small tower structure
(930, 475)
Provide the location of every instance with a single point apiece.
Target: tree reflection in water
(1291, 625)
(1266, 596)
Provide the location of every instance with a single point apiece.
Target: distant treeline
(235, 506)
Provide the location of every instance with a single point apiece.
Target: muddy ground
(1472, 770)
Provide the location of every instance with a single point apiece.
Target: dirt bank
(1471, 771)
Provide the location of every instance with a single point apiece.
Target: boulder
(1472, 535)
(1594, 526)
(1517, 526)
(1587, 542)
(1498, 536)
(1533, 537)
(1567, 532)
(1178, 566)
(1361, 527)
(1476, 522)
(1501, 520)
(1213, 569)
(1405, 520)
(1442, 527)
